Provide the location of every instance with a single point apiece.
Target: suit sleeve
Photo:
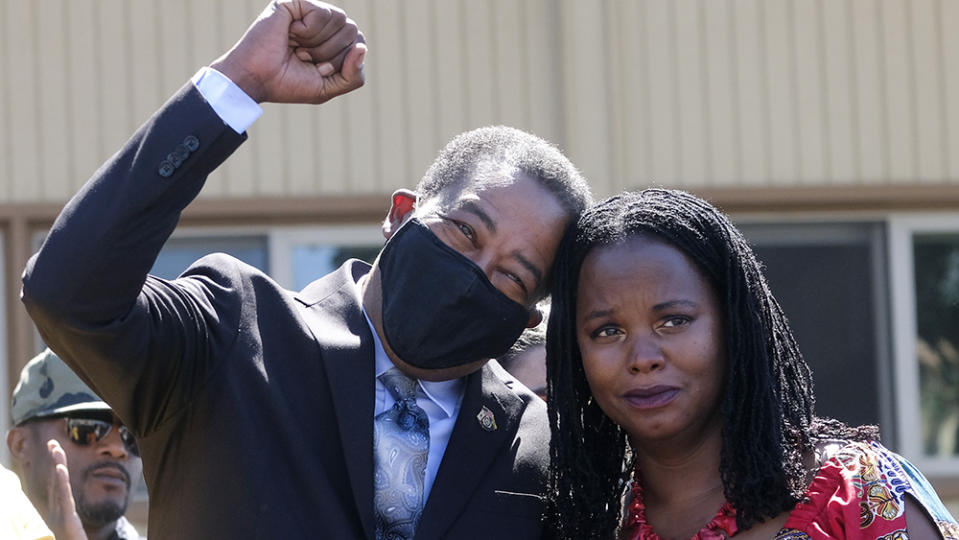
(142, 343)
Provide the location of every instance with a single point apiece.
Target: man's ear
(17, 442)
(535, 317)
(402, 204)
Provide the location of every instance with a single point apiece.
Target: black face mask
(439, 309)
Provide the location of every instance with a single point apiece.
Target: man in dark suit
(263, 413)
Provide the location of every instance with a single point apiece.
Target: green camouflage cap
(48, 387)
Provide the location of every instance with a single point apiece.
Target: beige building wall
(694, 93)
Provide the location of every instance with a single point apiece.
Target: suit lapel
(471, 450)
(346, 343)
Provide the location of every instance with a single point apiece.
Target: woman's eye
(674, 322)
(606, 331)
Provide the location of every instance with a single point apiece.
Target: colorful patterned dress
(858, 493)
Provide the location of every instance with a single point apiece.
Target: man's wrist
(229, 101)
(240, 77)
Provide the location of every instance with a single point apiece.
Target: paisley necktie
(401, 442)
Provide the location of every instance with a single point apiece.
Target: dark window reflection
(936, 259)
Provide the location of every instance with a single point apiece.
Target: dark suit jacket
(253, 405)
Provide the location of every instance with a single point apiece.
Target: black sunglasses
(87, 431)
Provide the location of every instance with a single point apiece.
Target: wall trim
(374, 206)
(832, 198)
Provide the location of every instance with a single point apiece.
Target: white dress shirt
(440, 400)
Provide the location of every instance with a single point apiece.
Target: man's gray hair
(503, 150)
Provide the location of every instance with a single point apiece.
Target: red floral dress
(858, 493)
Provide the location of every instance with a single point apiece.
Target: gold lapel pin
(486, 419)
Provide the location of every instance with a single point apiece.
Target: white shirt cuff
(231, 104)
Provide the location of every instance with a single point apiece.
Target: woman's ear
(402, 204)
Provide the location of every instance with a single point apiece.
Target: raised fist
(297, 51)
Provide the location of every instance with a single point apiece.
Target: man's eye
(466, 230)
(524, 291)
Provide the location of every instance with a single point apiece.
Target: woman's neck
(681, 482)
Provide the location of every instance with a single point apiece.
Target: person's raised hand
(61, 515)
(297, 51)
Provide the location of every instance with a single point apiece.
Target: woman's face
(650, 334)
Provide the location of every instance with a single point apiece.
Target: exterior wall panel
(585, 99)
(6, 123)
(544, 91)
(839, 134)
(748, 59)
(693, 93)
(23, 121)
(869, 97)
(419, 54)
(896, 48)
(927, 82)
(948, 24)
(719, 89)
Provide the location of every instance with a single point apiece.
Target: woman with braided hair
(680, 405)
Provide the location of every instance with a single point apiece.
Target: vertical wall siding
(6, 119)
(784, 92)
(695, 93)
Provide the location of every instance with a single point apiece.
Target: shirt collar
(445, 394)
(125, 531)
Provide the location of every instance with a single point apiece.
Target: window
(299, 256)
(4, 364)
(830, 280)
(925, 265)
(181, 251)
(292, 256)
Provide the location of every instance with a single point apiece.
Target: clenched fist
(297, 51)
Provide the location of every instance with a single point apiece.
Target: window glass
(311, 261)
(4, 365)
(936, 260)
(825, 277)
(179, 253)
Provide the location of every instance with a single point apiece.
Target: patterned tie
(401, 443)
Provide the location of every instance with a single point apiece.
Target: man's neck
(103, 532)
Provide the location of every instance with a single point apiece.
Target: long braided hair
(767, 404)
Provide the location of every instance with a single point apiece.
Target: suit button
(166, 169)
(181, 153)
(172, 158)
(191, 143)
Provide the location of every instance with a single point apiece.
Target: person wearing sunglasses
(59, 418)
